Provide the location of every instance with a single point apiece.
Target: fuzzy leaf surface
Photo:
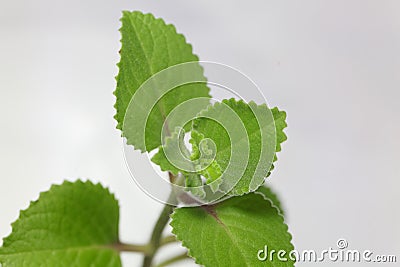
(232, 232)
(258, 165)
(149, 45)
(73, 224)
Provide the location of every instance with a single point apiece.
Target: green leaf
(272, 196)
(231, 233)
(175, 141)
(203, 158)
(181, 156)
(280, 125)
(149, 46)
(73, 224)
(259, 133)
(256, 123)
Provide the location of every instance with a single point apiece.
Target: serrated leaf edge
(44, 193)
(119, 125)
(286, 227)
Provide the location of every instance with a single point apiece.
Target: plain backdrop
(334, 66)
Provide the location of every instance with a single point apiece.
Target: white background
(334, 66)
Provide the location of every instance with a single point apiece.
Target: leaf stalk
(155, 240)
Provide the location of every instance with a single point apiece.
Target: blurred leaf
(73, 224)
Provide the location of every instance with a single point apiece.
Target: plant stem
(168, 239)
(162, 221)
(122, 247)
(173, 259)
